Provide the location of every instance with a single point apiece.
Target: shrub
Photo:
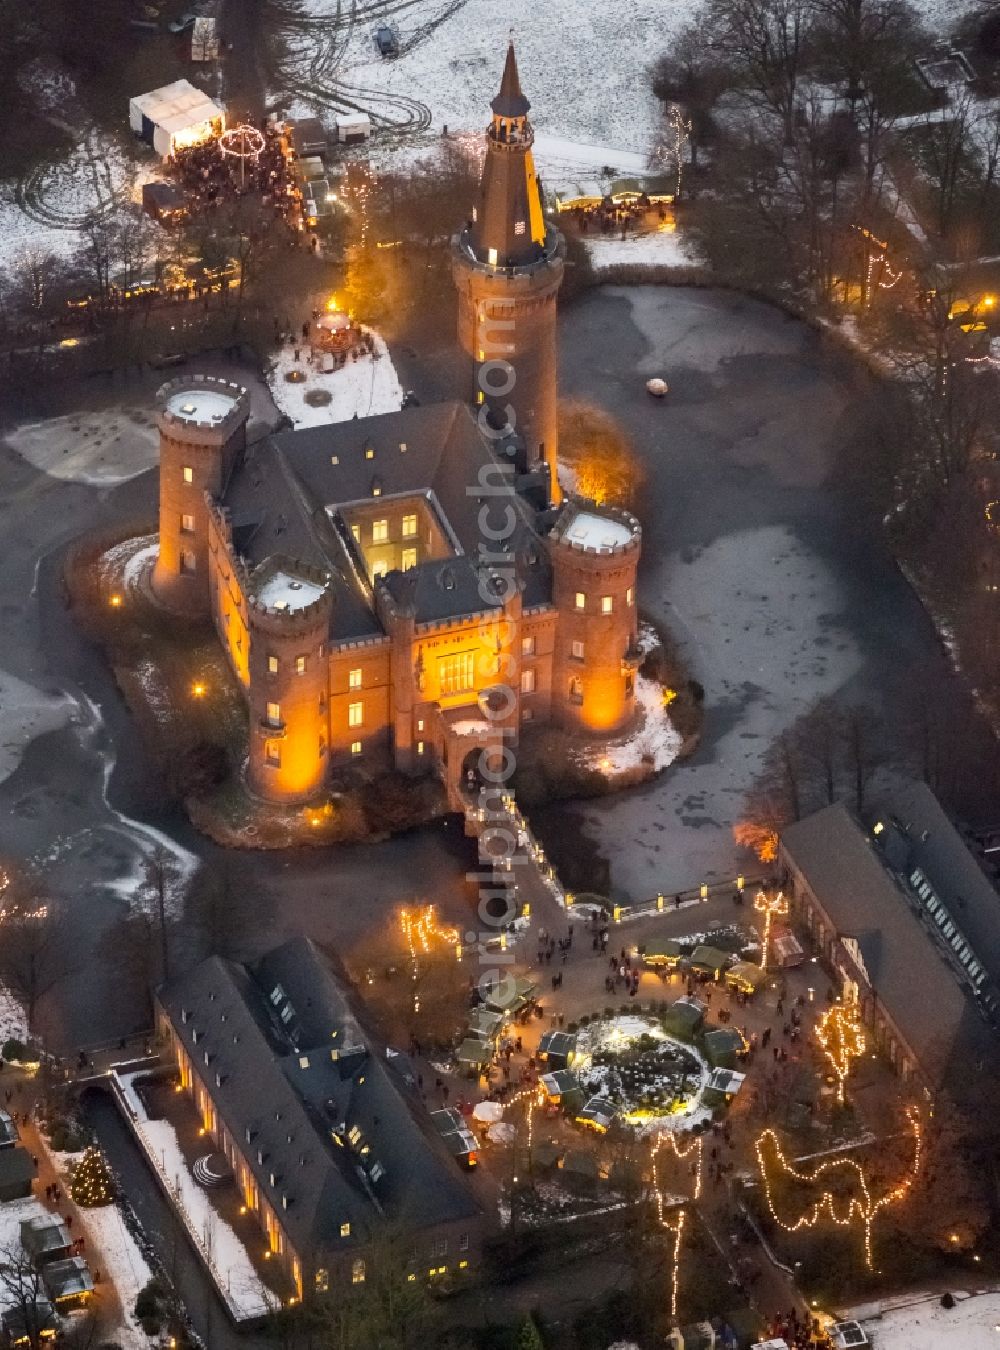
(14, 1050)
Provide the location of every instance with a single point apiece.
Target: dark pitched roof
(16, 1166)
(284, 497)
(908, 975)
(920, 835)
(332, 1137)
(510, 102)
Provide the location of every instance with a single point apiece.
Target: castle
(413, 583)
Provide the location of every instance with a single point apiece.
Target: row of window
(355, 714)
(380, 530)
(272, 751)
(949, 930)
(607, 601)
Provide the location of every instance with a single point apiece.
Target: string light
(842, 1040)
(866, 1208)
(769, 906)
(420, 927)
(676, 1226)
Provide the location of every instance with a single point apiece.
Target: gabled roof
(326, 1128)
(925, 837)
(285, 494)
(908, 975)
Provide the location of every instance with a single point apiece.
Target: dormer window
(369, 451)
(376, 487)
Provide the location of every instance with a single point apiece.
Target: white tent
(488, 1111)
(175, 116)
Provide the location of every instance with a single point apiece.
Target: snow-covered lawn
(971, 1325)
(101, 448)
(662, 248)
(364, 387)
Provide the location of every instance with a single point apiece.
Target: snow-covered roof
(200, 405)
(593, 531)
(284, 591)
(174, 107)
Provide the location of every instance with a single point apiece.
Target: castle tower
(507, 266)
(202, 424)
(289, 621)
(595, 554)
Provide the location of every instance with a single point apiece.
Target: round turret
(202, 422)
(288, 611)
(595, 555)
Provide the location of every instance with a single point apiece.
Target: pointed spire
(510, 102)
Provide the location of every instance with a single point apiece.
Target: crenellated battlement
(202, 409)
(596, 531)
(287, 597)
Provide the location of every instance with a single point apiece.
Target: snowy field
(973, 1324)
(361, 388)
(664, 248)
(583, 65)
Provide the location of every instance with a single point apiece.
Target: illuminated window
(354, 679)
(358, 1271)
(355, 714)
(355, 747)
(491, 257)
(272, 665)
(272, 754)
(575, 691)
(369, 452)
(274, 714)
(376, 488)
(188, 473)
(300, 665)
(380, 531)
(528, 646)
(345, 1230)
(356, 531)
(457, 674)
(409, 526)
(420, 724)
(409, 558)
(380, 568)
(628, 596)
(420, 747)
(322, 1281)
(402, 447)
(607, 604)
(576, 651)
(581, 600)
(187, 524)
(334, 459)
(527, 681)
(519, 227)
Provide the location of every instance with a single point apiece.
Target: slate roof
(920, 834)
(908, 975)
(283, 498)
(324, 1125)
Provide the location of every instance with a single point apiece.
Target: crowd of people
(210, 177)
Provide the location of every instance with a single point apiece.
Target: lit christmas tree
(92, 1182)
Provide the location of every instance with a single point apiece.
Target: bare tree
(765, 42)
(161, 874)
(27, 1309)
